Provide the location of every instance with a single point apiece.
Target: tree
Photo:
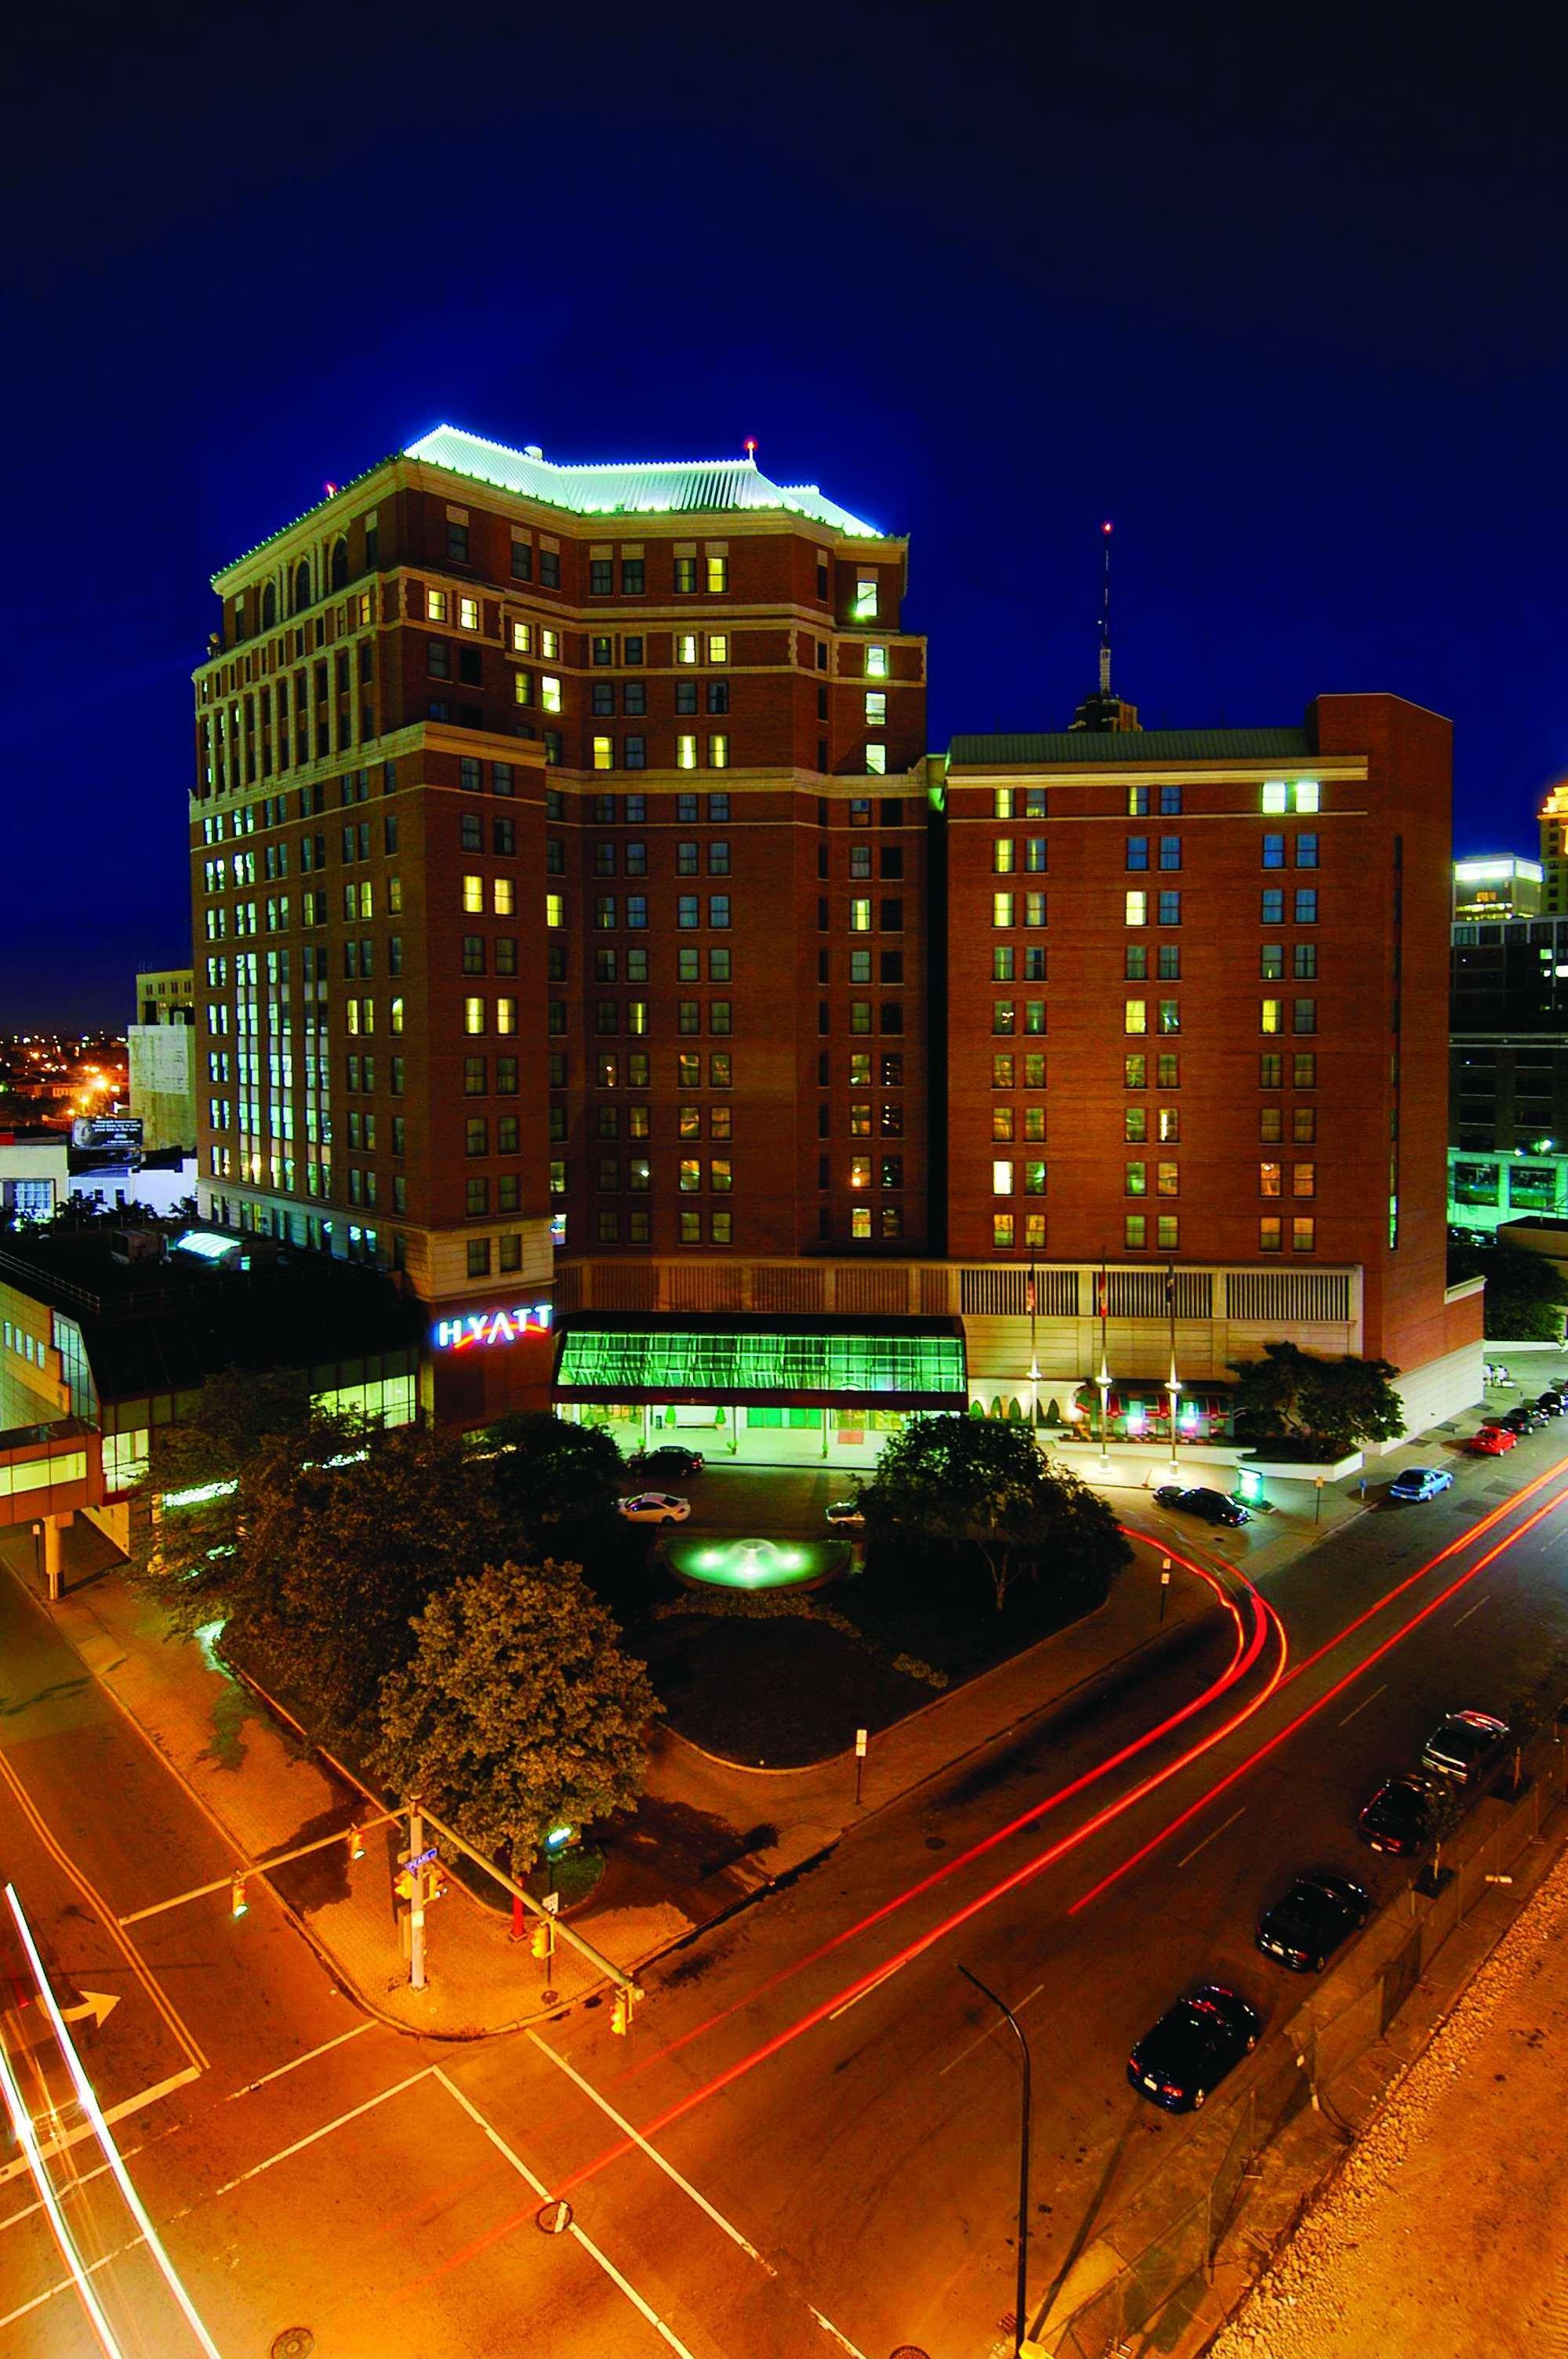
(1526, 1294)
(1446, 1811)
(548, 1472)
(515, 1708)
(1331, 1406)
(982, 1484)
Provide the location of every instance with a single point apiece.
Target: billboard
(112, 1138)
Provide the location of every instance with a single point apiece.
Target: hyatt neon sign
(487, 1327)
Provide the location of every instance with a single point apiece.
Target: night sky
(1284, 296)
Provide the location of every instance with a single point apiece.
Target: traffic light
(404, 1887)
(543, 1942)
(356, 1843)
(238, 1904)
(621, 2014)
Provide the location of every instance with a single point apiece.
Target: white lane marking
(1469, 1610)
(869, 1987)
(69, 2285)
(114, 2113)
(652, 2152)
(1230, 1822)
(325, 2130)
(542, 2192)
(293, 2065)
(1363, 1703)
(989, 2031)
(106, 1915)
(79, 2178)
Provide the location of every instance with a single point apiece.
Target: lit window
(555, 909)
(718, 753)
(523, 686)
(473, 894)
(1170, 1126)
(506, 1016)
(504, 896)
(860, 1170)
(1001, 802)
(1135, 1015)
(1034, 1178)
(549, 645)
(1137, 1179)
(1303, 1179)
(1269, 1178)
(859, 916)
(468, 614)
(603, 754)
(686, 646)
(473, 1016)
(397, 1027)
(1137, 909)
(1275, 796)
(1304, 1233)
(1002, 1179)
(719, 647)
(876, 761)
(718, 575)
(860, 1220)
(1034, 910)
(1307, 798)
(864, 606)
(550, 693)
(523, 638)
(1271, 1017)
(436, 605)
(686, 752)
(876, 708)
(1002, 908)
(1002, 855)
(876, 663)
(1168, 1232)
(1268, 1232)
(1167, 1178)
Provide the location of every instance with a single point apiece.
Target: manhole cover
(910, 2351)
(933, 1843)
(554, 2218)
(294, 2343)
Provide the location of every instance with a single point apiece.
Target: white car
(654, 1507)
(846, 1514)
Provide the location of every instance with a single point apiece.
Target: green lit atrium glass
(633, 1362)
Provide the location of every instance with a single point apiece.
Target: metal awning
(801, 1363)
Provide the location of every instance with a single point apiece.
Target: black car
(1465, 1747)
(1212, 1507)
(1399, 1816)
(1312, 1919)
(1556, 1403)
(1526, 1418)
(670, 1461)
(1193, 2047)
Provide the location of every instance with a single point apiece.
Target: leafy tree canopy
(983, 1483)
(1330, 1405)
(516, 1707)
(550, 1471)
(1526, 1293)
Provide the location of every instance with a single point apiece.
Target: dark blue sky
(1284, 300)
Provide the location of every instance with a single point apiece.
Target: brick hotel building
(583, 931)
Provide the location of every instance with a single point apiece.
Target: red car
(1493, 1440)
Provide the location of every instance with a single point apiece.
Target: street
(808, 2142)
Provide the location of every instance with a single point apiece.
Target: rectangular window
(1303, 1179)
(1274, 852)
(1303, 1069)
(1307, 795)
(1274, 908)
(686, 910)
(1170, 908)
(1271, 1016)
(1137, 909)
(1170, 852)
(1137, 851)
(1136, 1181)
(1306, 904)
(1170, 962)
(1306, 852)
(718, 576)
(686, 752)
(1135, 1072)
(1271, 1071)
(1001, 1231)
(1303, 1016)
(718, 910)
(1168, 1232)
(1170, 1126)
(1269, 1179)
(1275, 796)
(1303, 962)
(1002, 855)
(1271, 961)
(1134, 1232)
(863, 607)
(718, 753)
(1167, 1178)
(1135, 1125)
(1304, 1233)
(1137, 802)
(1303, 1125)
(1268, 1232)
(1002, 908)
(1002, 1073)
(876, 663)
(1135, 1015)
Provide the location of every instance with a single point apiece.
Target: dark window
(457, 543)
(632, 577)
(472, 831)
(437, 658)
(719, 696)
(685, 574)
(522, 561)
(550, 569)
(686, 696)
(634, 754)
(635, 698)
(601, 577)
(471, 667)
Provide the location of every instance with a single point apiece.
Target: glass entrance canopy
(826, 1363)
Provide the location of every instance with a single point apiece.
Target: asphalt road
(802, 2147)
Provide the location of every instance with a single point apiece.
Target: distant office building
(161, 1046)
(1500, 885)
(1555, 849)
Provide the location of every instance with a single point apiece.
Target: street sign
(554, 2218)
(859, 1744)
(418, 1858)
(552, 1901)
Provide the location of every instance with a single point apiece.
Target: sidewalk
(1443, 2231)
(708, 1836)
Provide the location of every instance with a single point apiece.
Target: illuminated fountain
(752, 1563)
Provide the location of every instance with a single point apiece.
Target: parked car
(1312, 1919)
(653, 1507)
(1524, 1419)
(847, 1515)
(1420, 1482)
(1193, 2047)
(1492, 1441)
(671, 1460)
(1465, 1747)
(1211, 1507)
(1399, 1816)
(1556, 1403)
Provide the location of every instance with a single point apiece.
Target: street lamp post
(1021, 2319)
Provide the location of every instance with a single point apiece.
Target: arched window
(301, 586)
(269, 605)
(339, 565)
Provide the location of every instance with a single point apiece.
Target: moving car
(1493, 1440)
(653, 1507)
(1212, 1507)
(1466, 1746)
(1312, 1919)
(671, 1460)
(1398, 1815)
(847, 1515)
(1193, 2047)
(1420, 1482)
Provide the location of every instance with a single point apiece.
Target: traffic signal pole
(417, 1904)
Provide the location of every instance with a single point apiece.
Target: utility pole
(1021, 2319)
(417, 1902)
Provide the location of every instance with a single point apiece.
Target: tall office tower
(559, 875)
(1194, 988)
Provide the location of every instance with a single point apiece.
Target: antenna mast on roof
(1104, 618)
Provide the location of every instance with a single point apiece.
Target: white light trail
(105, 2136)
(22, 2122)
